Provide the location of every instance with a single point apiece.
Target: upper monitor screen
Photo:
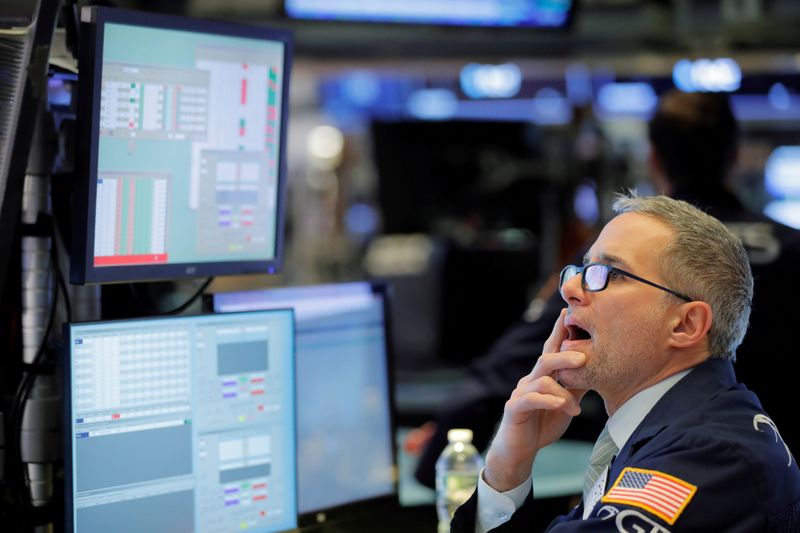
(345, 444)
(182, 424)
(181, 156)
(529, 13)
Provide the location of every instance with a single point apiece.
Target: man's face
(627, 322)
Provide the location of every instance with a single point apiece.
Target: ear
(690, 325)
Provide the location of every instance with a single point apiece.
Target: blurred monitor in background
(480, 195)
(436, 177)
(484, 13)
(345, 443)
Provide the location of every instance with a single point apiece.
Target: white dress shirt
(495, 508)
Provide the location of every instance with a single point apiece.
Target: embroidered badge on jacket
(661, 494)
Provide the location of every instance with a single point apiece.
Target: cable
(191, 300)
(57, 267)
(176, 310)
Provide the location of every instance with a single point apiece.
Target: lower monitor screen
(182, 424)
(345, 445)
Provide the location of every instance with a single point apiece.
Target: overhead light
(325, 147)
(432, 104)
(782, 172)
(578, 79)
(779, 97)
(707, 75)
(784, 211)
(550, 107)
(491, 81)
(629, 98)
(361, 87)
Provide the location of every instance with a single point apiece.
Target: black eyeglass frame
(609, 268)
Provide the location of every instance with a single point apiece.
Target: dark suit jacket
(710, 432)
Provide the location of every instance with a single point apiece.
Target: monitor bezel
(351, 510)
(66, 412)
(82, 269)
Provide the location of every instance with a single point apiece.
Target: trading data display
(187, 130)
(183, 424)
(345, 440)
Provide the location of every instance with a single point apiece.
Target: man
(652, 323)
(694, 146)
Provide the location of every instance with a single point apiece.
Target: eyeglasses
(595, 276)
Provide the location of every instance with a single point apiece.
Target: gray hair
(706, 261)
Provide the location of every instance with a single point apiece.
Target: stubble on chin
(594, 375)
(603, 372)
(576, 378)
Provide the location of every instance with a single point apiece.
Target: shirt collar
(627, 418)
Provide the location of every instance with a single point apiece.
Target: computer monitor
(181, 143)
(346, 451)
(181, 424)
(502, 13)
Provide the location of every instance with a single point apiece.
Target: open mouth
(577, 333)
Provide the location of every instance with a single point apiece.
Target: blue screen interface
(188, 153)
(528, 13)
(345, 447)
(183, 424)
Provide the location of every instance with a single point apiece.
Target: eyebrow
(607, 258)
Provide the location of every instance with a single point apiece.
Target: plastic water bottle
(457, 471)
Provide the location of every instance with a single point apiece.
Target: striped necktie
(602, 453)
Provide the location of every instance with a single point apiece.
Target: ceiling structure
(600, 28)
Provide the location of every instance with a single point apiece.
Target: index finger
(549, 363)
(557, 336)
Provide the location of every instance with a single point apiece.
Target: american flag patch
(663, 495)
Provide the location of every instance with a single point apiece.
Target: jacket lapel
(703, 383)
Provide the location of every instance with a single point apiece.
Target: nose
(572, 292)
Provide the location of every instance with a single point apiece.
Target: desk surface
(558, 471)
(559, 468)
(558, 475)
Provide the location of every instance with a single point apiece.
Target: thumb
(578, 394)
